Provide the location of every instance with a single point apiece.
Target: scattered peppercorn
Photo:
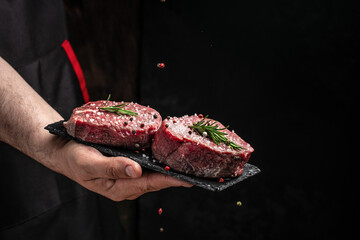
(160, 65)
(134, 131)
(125, 123)
(168, 117)
(131, 118)
(142, 125)
(166, 125)
(155, 116)
(190, 132)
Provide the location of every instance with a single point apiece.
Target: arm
(23, 116)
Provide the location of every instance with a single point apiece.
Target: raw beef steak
(91, 124)
(186, 151)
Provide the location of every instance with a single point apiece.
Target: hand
(117, 178)
(22, 127)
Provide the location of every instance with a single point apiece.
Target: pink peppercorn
(160, 65)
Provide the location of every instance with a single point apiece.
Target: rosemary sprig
(211, 130)
(118, 109)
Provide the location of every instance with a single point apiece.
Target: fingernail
(129, 170)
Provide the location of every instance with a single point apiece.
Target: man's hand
(22, 127)
(117, 178)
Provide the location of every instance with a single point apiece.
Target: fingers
(94, 164)
(117, 178)
(116, 168)
(131, 189)
(158, 181)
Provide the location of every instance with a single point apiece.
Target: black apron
(37, 203)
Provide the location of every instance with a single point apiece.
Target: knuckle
(112, 170)
(148, 185)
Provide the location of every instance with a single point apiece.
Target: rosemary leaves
(211, 130)
(118, 109)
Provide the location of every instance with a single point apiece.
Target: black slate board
(146, 160)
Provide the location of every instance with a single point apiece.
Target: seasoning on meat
(189, 152)
(92, 124)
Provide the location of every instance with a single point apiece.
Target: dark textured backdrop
(281, 73)
(105, 37)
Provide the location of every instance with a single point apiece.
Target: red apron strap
(76, 66)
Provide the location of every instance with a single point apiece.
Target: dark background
(280, 73)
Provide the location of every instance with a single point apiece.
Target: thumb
(116, 167)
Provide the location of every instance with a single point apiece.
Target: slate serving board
(145, 159)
